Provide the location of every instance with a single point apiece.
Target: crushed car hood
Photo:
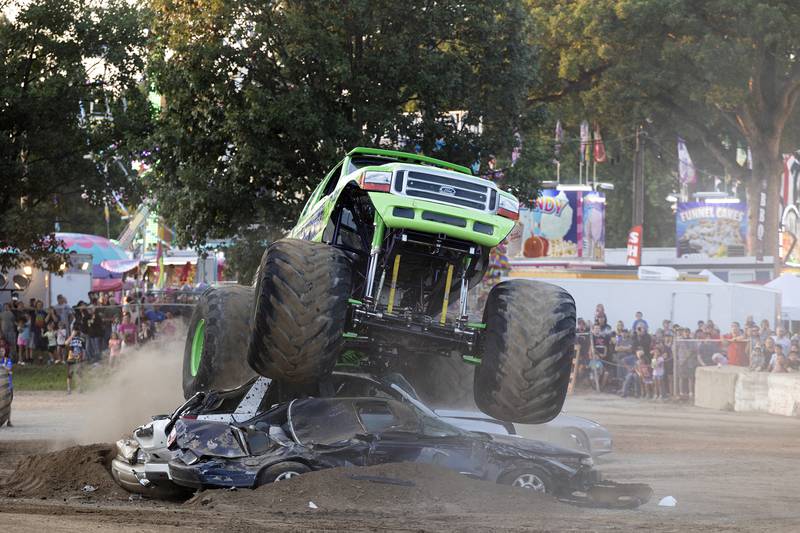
(535, 447)
(213, 439)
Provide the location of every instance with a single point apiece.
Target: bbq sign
(712, 230)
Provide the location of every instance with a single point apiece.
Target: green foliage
(262, 98)
(715, 72)
(59, 57)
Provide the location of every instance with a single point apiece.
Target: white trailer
(682, 302)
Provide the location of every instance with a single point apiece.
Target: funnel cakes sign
(710, 229)
(561, 224)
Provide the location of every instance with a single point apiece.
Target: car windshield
(357, 162)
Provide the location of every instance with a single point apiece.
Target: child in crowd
(127, 331)
(52, 341)
(596, 372)
(114, 348)
(24, 351)
(658, 372)
(645, 372)
(61, 342)
(76, 348)
(8, 364)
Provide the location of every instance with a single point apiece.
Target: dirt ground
(727, 471)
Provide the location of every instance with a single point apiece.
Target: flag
(634, 256)
(123, 211)
(162, 274)
(517, 150)
(741, 155)
(686, 171)
(106, 213)
(599, 147)
(559, 138)
(586, 141)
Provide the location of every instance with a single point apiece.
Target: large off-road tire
(300, 311)
(442, 381)
(5, 397)
(215, 353)
(527, 350)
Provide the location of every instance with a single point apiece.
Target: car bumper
(157, 484)
(403, 212)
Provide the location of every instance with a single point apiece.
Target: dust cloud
(147, 382)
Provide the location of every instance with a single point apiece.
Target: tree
(71, 115)
(716, 72)
(262, 98)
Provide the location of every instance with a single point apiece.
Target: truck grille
(447, 190)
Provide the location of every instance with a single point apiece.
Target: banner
(714, 230)
(561, 224)
(599, 147)
(686, 170)
(634, 246)
(586, 142)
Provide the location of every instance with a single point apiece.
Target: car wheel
(533, 479)
(281, 472)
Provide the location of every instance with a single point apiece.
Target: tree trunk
(767, 165)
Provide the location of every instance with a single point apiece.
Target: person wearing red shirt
(737, 346)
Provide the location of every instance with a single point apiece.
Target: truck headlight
(508, 207)
(374, 180)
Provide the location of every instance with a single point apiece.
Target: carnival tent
(789, 287)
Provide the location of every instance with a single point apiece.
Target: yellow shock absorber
(446, 301)
(395, 270)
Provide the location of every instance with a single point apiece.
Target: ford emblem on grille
(449, 191)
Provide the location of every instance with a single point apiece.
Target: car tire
(281, 472)
(300, 311)
(214, 356)
(442, 381)
(5, 397)
(526, 352)
(531, 478)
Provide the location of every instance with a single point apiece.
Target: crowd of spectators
(660, 362)
(102, 329)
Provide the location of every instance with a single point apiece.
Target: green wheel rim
(198, 342)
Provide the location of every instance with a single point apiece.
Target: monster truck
(377, 272)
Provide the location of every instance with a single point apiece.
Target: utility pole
(638, 178)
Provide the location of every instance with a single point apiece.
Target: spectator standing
(758, 363)
(8, 364)
(778, 355)
(642, 341)
(8, 328)
(583, 343)
(630, 362)
(782, 339)
(23, 340)
(769, 350)
(76, 350)
(737, 346)
(793, 359)
(127, 330)
(639, 321)
(764, 330)
(38, 328)
(114, 349)
(645, 371)
(658, 372)
(61, 342)
(64, 311)
(95, 331)
(51, 335)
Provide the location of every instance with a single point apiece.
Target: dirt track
(727, 470)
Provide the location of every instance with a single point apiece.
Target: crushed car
(317, 433)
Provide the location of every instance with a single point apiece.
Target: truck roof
(406, 156)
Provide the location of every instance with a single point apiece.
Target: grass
(54, 377)
(38, 378)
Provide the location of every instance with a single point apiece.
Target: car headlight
(587, 461)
